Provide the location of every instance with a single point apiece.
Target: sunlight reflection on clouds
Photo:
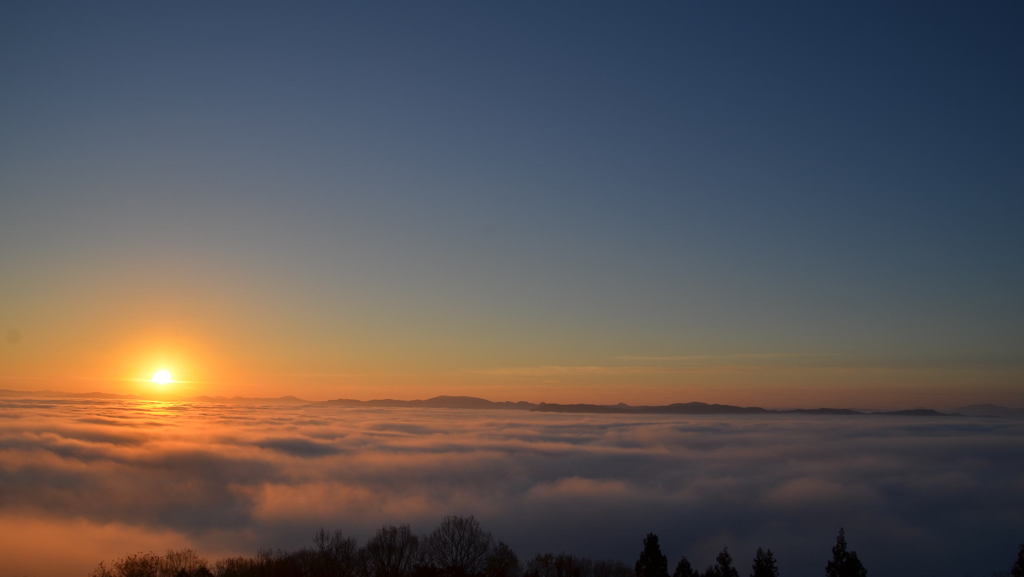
(228, 478)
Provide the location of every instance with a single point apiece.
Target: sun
(162, 377)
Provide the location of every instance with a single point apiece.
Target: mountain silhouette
(478, 403)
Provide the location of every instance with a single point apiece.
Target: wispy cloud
(735, 358)
(626, 365)
(574, 370)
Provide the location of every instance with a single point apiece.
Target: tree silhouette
(334, 556)
(502, 562)
(391, 552)
(548, 565)
(764, 564)
(684, 569)
(723, 566)
(844, 563)
(652, 562)
(175, 563)
(236, 567)
(458, 547)
(542, 565)
(1018, 568)
(610, 569)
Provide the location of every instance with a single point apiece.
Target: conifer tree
(764, 564)
(652, 562)
(1018, 568)
(684, 569)
(723, 565)
(844, 563)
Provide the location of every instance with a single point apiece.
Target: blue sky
(443, 187)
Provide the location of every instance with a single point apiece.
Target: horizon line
(170, 397)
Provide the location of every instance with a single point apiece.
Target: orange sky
(253, 367)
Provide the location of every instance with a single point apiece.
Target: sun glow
(162, 377)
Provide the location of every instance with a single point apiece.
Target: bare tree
(502, 562)
(184, 562)
(236, 567)
(391, 552)
(334, 555)
(458, 547)
(611, 569)
(548, 565)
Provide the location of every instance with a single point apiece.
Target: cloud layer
(918, 496)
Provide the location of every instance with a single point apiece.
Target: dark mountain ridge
(477, 403)
(691, 408)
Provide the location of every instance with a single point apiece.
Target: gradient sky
(801, 205)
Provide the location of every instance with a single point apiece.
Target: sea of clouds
(87, 480)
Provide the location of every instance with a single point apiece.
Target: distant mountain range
(992, 411)
(477, 403)
(441, 402)
(693, 408)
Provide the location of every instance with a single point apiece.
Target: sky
(99, 479)
(779, 205)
